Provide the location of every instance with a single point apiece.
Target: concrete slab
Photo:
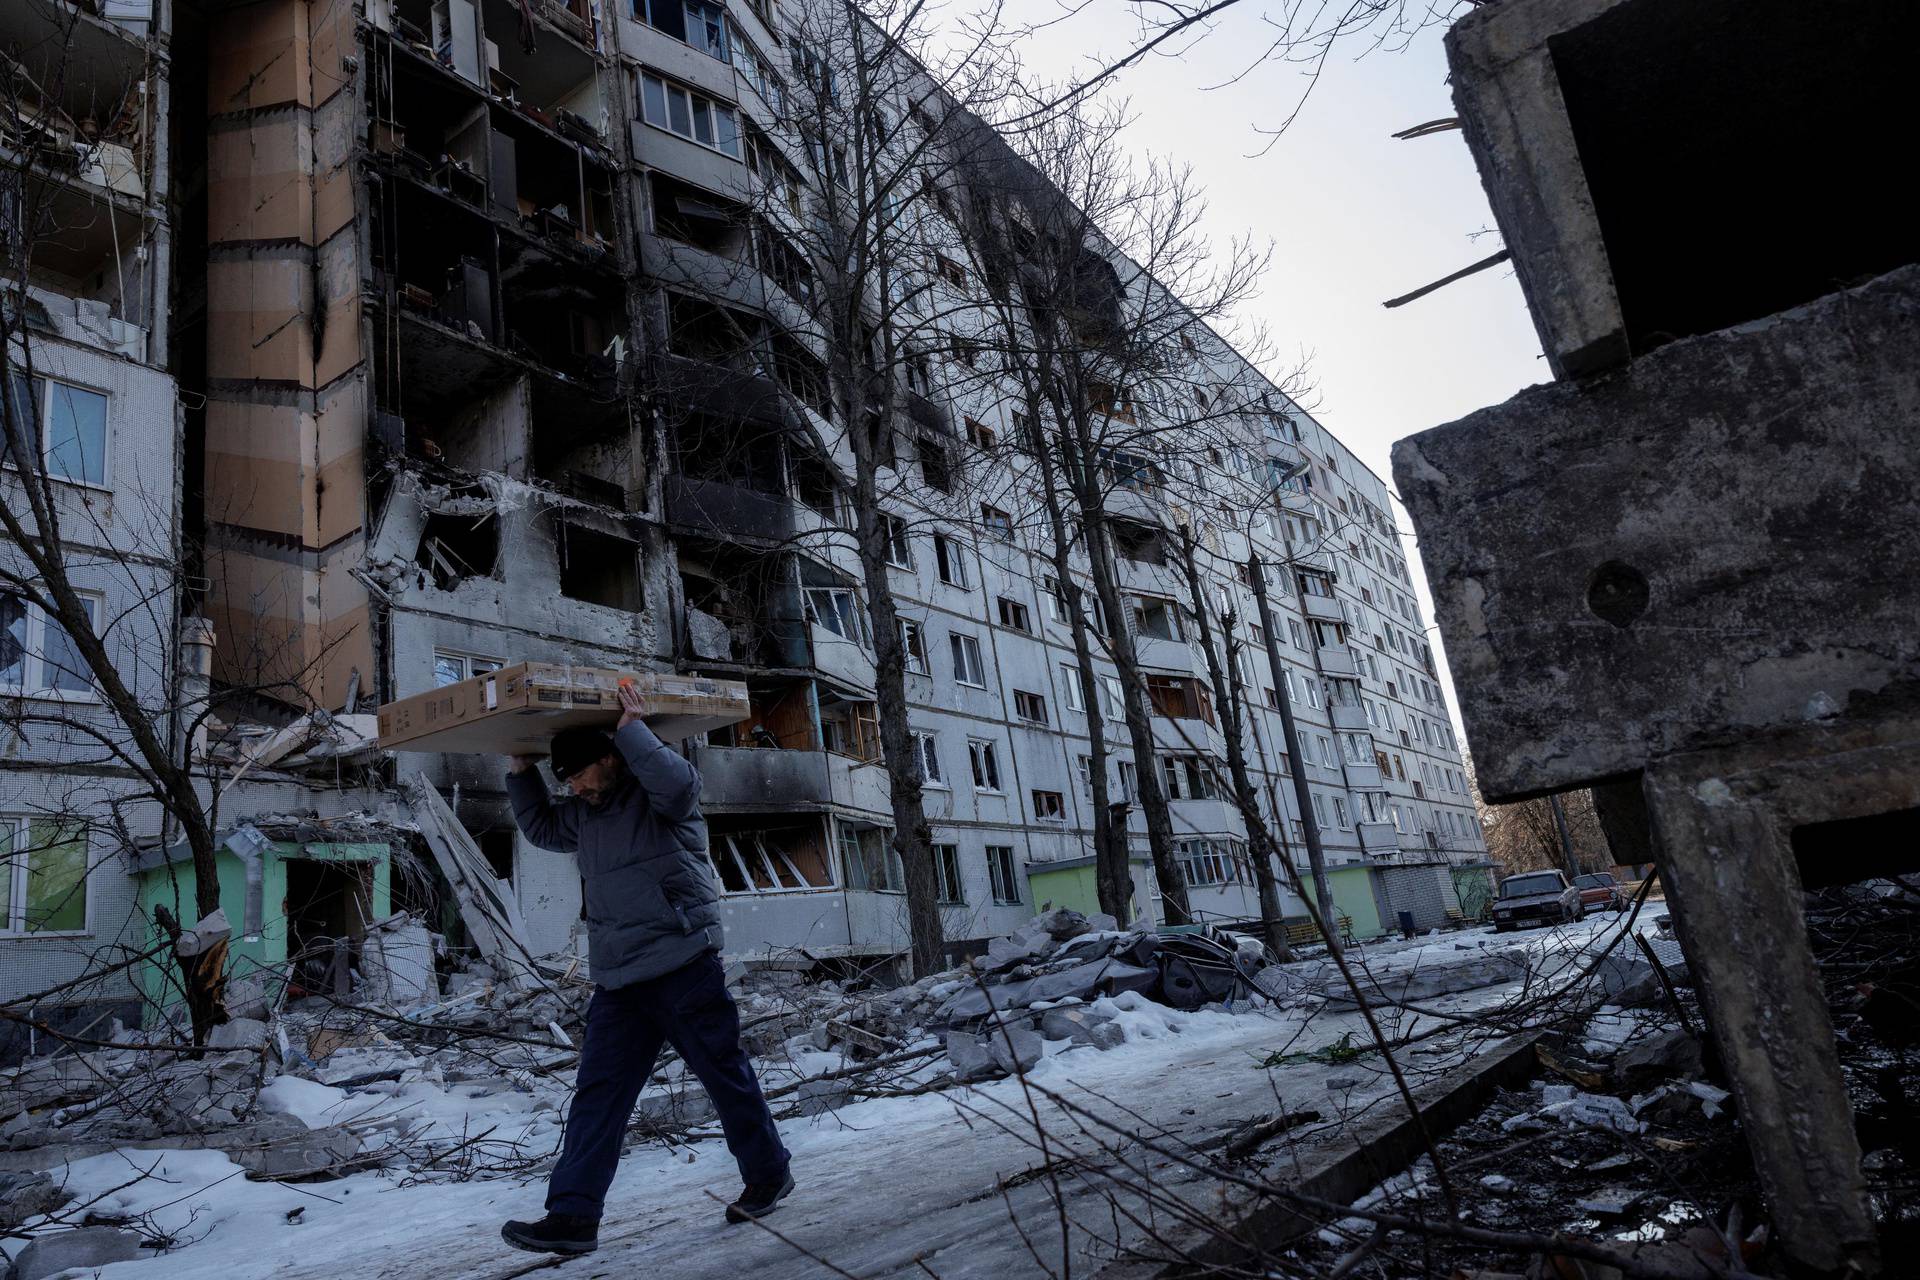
(1708, 544)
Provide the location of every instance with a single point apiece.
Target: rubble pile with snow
(462, 1078)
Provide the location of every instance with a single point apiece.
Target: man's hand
(520, 764)
(631, 705)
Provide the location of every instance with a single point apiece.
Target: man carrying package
(653, 935)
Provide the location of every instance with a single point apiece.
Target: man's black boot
(555, 1233)
(760, 1199)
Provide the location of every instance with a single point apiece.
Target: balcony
(1338, 660)
(841, 660)
(1363, 777)
(1349, 715)
(1322, 608)
(1157, 654)
(730, 511)
(859, 784)
(762, 778)
(1379, 838)
(772, 780)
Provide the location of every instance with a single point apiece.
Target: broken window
(850, 728)
(600, 568)
(1157, 618)
(1013, 615)
(1179, 698)
(1188, 778)
(946, 870)
(1029, 706)
(1206, 862)
(837, 609)
(980, 436)
(871, 860)
(1000, 874)
(899, 545)
(935, 467)
(779, 860)
(950, 561)
(1139, 543)
(1049, 806)
(456, 547)
(452, 668)
(998, 523)
(986, 764)
(692, 216)
(926, 758)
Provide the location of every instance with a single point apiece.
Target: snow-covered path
(884, 1184)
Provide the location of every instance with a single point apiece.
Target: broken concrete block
(1082, 1025)
(86, 1247)
(238, 1033)
(970, 1057)
(396, 958)
(28, 1195)
(816, 1096)
(1664, 1056)
(280, 1146)
(1015, 1049)
(1061, 924)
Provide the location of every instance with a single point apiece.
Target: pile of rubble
(320, 1073)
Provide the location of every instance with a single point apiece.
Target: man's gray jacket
(652, 904)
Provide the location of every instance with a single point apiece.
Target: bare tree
(1102, 285)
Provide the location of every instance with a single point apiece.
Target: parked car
(1601, 892)
(1536, 897)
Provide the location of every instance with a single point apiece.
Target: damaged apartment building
(86, 243)
(476, 278)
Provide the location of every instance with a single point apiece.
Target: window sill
(88, 698)
(1008, 902)
(968, 684)
(989, 791)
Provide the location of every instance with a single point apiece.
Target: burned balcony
(730, 478)
(743, 608)
(1140, 543)
(1179, 698)
(735, 361)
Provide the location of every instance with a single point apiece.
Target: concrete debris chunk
(28, 1195)
(1662, 1056)
(86, 1248)
(1014, 1049)
(238, 1033)
(1082, 1025)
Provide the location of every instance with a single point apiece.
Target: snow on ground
(882, 1182)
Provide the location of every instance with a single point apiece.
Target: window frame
(983, 760)
(899, 543)
(1057, 800)
(950, 564)
(693, 98)
(33, 653)
(913, 647)
(949, 889)
(1002, 883)
(960, 643)
(42, 385)
(1013, 615)
(926, 757)
(467, 663)
(1032, 702)
(16, 828)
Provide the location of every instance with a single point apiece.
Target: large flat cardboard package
(517, 710)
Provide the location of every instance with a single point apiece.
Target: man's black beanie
(575, 749)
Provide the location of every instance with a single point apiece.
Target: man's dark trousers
(690, 1010)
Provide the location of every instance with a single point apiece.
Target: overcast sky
(1355, 216)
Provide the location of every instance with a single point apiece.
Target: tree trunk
(1316, 856)
(1272, 922)
(1153, 801)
